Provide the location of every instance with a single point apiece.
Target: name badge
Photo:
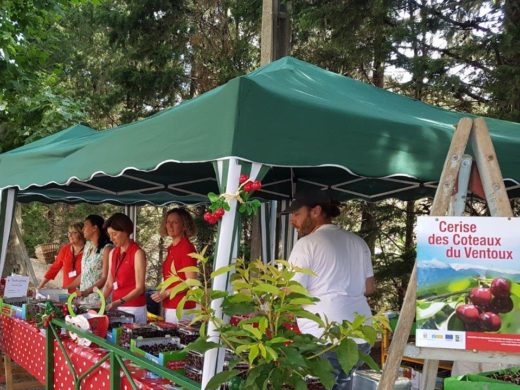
(73, 274)
(114, 285)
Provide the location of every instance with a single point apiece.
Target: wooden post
(269, 16)
(439, 208)
(275, 34)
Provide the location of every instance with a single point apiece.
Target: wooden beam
(451, 168)
(489, 170)
(429, 373)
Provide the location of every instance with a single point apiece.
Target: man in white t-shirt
(342, 263)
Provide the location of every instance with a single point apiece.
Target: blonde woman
(179, 225)
(68, 258)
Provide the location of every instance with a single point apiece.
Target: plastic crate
(164, 357)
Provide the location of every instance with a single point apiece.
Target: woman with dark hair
(94, 264)
(126, 269)
(68, 258)
(179, 225)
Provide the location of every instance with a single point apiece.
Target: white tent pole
(131, 212)
(7, 202)
(212, 362)
(264, 225)
(272, 229)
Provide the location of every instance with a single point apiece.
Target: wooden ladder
(475, 131)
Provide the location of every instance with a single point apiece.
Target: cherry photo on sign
(486, 305)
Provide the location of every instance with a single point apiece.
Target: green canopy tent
(289, 123)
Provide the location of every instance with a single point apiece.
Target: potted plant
(277, 355)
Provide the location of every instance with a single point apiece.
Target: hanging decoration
(220, 203)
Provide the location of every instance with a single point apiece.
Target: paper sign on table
(16, 286)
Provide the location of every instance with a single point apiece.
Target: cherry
(220, 212)
(468, 313)
(502, 305)
(243, 179)
(501, 288)
(256, 185)
(490, 321)
(213, 219)
(207, 216)
(481, 296)
(248, 187)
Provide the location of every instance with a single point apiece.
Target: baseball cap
(309, 198)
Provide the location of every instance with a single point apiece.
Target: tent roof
(313, 126)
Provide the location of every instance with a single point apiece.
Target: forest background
(108, 62)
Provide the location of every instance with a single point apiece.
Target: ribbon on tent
(7, 206)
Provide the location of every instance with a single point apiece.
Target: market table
(25, 344)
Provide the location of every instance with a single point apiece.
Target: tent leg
(7, 206)
(213, 359)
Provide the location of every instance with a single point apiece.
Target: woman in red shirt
(179, 225)
(68, 258)
(127, 269)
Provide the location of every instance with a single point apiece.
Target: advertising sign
(468, 275)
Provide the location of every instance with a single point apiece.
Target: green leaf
(358, 321)
(212, 197)
(305, 271)
(369, 361)
(263, 351)
(243, 348)
(238, 298)
(220, 378)
(189, 269)
(283, 263)
(177, 289)
(262, 324)
(256, 375)
(298, 382)
(294, 357)
(271, 352)
(180, 307)
(263, 287)
(193, 282)
(201, 345)
(301, 301)
(277, 340)
(222, 270)
(348, 354)
(298, 288)
(218, 294)
(254, 331)
(370, 334)
(231, 308)
(242, 208)
(239, 285)
(253, 353)
(323, 370)
(430, 311)
(198, 256)
(310, 316)
(515, 289)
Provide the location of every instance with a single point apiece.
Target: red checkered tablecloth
(25, 345)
